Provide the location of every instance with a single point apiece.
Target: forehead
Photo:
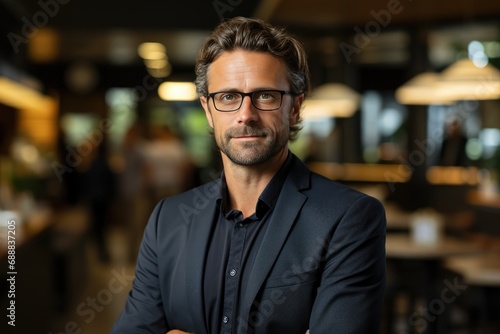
(246, 70)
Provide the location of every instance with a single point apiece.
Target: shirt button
(232, 272)
(225, 319)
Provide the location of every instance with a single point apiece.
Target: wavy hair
(253, 34)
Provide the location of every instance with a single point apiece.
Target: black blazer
(321, 265)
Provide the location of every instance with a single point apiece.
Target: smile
(248, 137)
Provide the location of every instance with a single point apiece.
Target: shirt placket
(233, 270)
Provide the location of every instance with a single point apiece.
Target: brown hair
(255, 35)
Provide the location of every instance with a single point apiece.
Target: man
(270, 247)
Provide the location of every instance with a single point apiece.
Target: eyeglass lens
(263, 100)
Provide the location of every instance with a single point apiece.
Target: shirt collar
(268, 197)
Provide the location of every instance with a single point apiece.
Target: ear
(204, 103)
(297, 105)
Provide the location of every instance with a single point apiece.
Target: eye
(227, 97)
(266, 95)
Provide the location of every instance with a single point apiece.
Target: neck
(246, 183)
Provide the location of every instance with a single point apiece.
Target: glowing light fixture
(422, 90)
(331, 100)
(464, 80)
(22, 97)
(156, 63)
(152, 50)
(177, 91)
(155, 58)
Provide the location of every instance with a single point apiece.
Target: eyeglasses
(265, 100)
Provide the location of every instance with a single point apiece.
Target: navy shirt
(234, 243)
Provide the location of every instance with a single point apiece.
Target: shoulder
(329, 198)
(207, 192)
(321, 184)
(181, 208)
(324, 191)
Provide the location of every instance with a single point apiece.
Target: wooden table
(401, 246)
(478, 269)
(481, 272)
(418, 269)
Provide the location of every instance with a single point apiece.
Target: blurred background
(99, 120)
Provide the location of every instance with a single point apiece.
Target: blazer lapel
(199, 234)
(288, 206)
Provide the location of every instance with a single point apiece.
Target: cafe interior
(97, 98)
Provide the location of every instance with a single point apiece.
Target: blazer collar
(200, 229)
(283, 218)
(285, 212)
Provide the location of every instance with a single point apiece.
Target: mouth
(248, 134)
(248, 137)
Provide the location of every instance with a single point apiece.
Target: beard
(252, 153)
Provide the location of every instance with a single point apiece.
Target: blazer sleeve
(351, 292)
(143, 312)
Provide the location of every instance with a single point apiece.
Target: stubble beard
(252, 153)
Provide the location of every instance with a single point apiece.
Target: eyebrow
(253, 90)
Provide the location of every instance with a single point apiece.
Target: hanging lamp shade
(463, 80)
(331, 100)
(422, 90)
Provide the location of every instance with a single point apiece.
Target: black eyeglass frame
(250, 94)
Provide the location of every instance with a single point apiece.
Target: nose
(247, 112)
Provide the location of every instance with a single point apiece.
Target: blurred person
(168, 164)
(69, 180)
(269, 247)
(99, 191)
(453, 151)
(133, 181)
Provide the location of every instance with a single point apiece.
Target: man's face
(249, 136)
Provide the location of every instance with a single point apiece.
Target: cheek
(280, 122)
(289, 118)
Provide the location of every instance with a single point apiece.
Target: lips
(248, 136)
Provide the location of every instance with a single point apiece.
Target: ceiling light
(463, 80)
(22, 97)
(152, 50)
(158, 68)
(331, 100)
(177, 91)
(421, 90)
(156, 63)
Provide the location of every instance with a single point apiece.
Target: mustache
(246, 131)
